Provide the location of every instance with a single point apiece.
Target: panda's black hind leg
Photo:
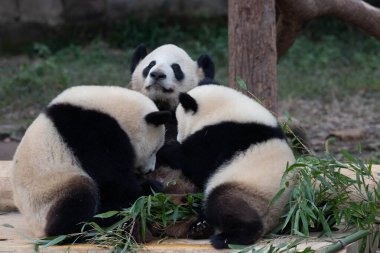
(241, 237)
(76, 202)
(229, 208)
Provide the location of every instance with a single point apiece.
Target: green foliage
(33, 83)
(37, 83)
(325, 196)
(242, 84)
(327, 58)
(330, 57)
(157, 210)
(41, 50)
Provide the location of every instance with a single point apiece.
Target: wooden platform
(15, 239)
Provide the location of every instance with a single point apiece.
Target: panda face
(162, 77)
(212, 104)
(166, 72)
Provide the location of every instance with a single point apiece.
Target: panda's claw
(200, 230)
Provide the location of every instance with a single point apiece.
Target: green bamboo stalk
(342, 243)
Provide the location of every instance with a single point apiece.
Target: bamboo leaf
(8, 225)
(107, 214)
(296, 221)
(277, 196)
(149, 204)
(236, 246)
(55, 241)
(241, 83)
(289, 216)
(325, 183)
(305, 224)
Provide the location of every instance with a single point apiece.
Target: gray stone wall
(58, 12)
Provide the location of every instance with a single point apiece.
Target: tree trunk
(252, 48)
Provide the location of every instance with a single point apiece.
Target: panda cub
(80, 156)
(166, 72)
(234, 149)
(162, 75)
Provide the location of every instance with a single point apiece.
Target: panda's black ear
(158, 118)
(207, 65)
(137, 56)
(188, 102)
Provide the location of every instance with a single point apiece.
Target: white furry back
(260, 167)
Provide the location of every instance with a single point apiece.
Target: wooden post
(252, 48)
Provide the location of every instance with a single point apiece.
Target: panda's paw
(151, 186)
(219, 241)
(201, 229)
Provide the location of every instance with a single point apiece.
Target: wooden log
(6, 195)
(15, 240)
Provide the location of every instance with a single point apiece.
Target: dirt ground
(352, 122)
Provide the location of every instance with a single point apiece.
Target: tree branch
(294, 14)
(358, 13)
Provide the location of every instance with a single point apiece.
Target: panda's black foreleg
(115, 197)
(170, 155)
(150, 186)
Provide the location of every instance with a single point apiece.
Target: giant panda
(79, 157)
(162, 75)
(233, 149)
(167, 71)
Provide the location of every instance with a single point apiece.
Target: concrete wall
(58, 12)
(25, 21)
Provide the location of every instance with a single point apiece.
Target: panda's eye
(179, 75)
(148, 68)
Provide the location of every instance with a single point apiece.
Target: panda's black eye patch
(148, 68)
(179, 75)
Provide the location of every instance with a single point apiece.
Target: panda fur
(162, 75)
(79, 157)
(166, 72)
(234, 149)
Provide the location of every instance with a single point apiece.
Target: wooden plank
(13, 239)
(6, 196)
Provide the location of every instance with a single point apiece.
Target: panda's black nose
(157, 75)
